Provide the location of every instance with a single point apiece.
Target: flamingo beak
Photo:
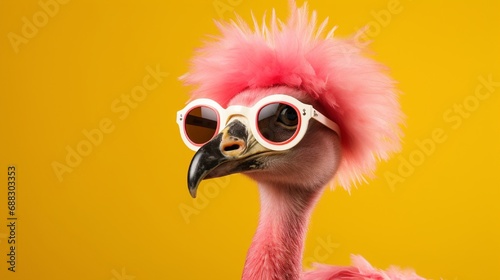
(233, 150)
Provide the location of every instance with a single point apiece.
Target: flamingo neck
(276, 250)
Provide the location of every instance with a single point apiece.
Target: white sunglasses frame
(307, 112)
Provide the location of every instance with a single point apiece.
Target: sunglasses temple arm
(326, 121)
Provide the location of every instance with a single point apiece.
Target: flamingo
(295, 110)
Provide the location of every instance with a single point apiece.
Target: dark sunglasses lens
(201, 124)
(278, 122)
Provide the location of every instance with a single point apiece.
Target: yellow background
(117, 214)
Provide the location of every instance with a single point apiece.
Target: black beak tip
(194, 179)
(206, 159)
(192, 191)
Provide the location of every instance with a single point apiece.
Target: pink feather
(361, 270)
(353, 90)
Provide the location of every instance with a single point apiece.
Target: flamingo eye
(278, 122)
(288, 116)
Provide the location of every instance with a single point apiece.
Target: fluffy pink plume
(361, 270)
(353, 90)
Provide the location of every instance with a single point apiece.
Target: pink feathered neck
(353, 90)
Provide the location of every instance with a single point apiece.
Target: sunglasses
(278, 122)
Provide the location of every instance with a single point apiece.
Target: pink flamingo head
(352, 89)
